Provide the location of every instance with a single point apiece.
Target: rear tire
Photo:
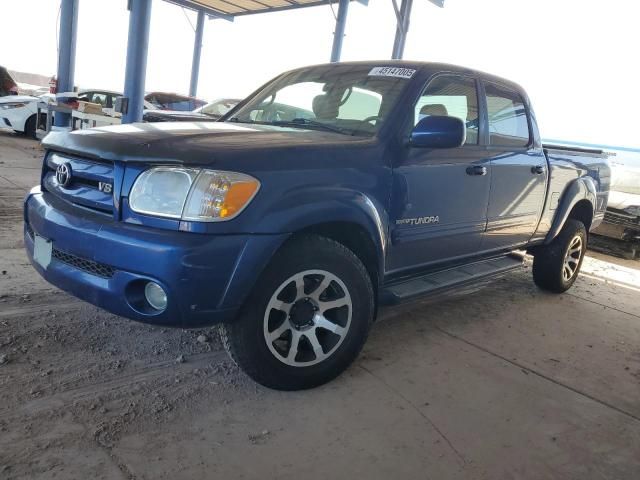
(556, 266)
(316, 296)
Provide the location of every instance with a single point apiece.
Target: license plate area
(42, 250)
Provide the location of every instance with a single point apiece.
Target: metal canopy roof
(234, 8)
(138, 38)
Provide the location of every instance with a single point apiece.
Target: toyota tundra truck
(331, 190)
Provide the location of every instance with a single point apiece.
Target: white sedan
(19, 113)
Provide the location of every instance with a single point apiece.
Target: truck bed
(565, 149)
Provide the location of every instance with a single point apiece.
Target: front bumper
(105, 262)
(15, 117)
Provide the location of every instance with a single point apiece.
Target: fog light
(155, 295)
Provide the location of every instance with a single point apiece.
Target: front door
(440, 196)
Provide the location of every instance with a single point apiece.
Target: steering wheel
(372, 118)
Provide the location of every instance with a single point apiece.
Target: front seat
(437, 109)
(326, 107)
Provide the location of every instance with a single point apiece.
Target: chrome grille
(85, 177)
(621, 218)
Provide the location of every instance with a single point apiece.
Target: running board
(449, 279)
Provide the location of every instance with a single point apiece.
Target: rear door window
(508, 123)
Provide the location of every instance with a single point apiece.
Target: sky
(577, 59)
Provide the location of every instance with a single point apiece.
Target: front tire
(30, 127)
(556, 266)
(307, 318)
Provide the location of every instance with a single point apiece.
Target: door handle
(538, 169)
(476, 170)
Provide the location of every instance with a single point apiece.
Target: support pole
(67, 54)
(402, 28)
(338, 35)
(197, 51)
(136, 68)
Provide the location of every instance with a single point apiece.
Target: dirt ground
(506, 382)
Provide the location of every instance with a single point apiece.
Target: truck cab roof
(423, 69)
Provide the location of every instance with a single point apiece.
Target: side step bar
(449, 279)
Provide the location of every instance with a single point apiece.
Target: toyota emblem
(63, 174)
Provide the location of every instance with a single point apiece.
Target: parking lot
(505, 382)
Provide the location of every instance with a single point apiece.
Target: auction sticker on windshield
(392, 72)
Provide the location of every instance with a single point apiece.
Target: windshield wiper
(306, 122)
(237, 120)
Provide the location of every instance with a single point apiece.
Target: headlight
(162, 191)
(7, 106)
(192, 194)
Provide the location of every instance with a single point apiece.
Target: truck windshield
(352, 100)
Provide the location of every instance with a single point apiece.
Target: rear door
(518, 170)
(440, 196)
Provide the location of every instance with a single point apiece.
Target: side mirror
(437, 131)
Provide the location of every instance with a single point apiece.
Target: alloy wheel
(307, 318)
(572, 258)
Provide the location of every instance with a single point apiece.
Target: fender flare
(307, 207)
(583, 188)
(301, 210)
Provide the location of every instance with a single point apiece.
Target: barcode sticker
(398, 72)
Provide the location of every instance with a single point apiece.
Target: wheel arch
(356, 238)
(344, 215)
(578, 202)
(583, 211)
(31, 118)
(350, 218)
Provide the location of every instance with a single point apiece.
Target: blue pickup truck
(329, 191)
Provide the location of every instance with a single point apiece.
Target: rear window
(508, 124)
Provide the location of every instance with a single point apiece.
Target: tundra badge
(418, 221)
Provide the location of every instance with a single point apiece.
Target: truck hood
(213, 144)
